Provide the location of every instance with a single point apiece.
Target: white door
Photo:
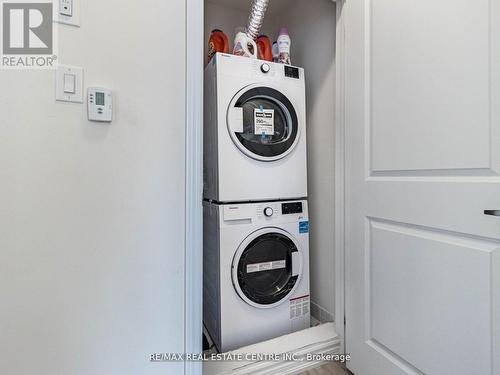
(422, 166)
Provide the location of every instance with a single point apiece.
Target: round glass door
(266, 268)
(266, 124)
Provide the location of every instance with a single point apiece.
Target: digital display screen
(292, 72)
(291, 208)
(99, 98)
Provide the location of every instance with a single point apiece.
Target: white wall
(311, 24)
(92, 215)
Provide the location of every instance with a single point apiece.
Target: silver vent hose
(256, 19)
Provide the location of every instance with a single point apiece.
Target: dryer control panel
(292, 72)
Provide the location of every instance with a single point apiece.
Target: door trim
(193, 318)
(193, 236)
(340, 176)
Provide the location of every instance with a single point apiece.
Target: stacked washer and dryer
(256, 227)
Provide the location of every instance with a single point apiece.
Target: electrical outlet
(68, 12)
(66, 7)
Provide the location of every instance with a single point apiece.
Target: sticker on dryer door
(264, 121)
(266, 266)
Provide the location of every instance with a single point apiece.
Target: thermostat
(99, 104)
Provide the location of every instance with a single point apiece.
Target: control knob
(268, 211)
(265, 68)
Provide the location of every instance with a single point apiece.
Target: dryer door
(263, 123)
(267, 268)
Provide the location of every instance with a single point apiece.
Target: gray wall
(311, 24)
(220, 16)
(92, 215)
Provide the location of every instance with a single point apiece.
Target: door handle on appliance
(235, 119)
(492, 212)
(296, 263)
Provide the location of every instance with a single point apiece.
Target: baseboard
(317, 340)
(321, 314)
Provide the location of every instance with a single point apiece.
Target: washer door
(263, 123)
(267, 268)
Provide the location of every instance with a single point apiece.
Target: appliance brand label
(266, 266)
(304, 227)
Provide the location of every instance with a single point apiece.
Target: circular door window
(267, 267)
(263, 123)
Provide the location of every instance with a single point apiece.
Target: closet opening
(269, 176)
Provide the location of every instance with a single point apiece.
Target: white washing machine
(255, 131)
(256, 271)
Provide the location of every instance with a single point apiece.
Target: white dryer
(255, 130)
(256, 271)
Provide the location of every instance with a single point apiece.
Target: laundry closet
(280, 177)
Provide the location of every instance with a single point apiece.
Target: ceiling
(275, 6)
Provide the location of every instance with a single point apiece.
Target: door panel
(265, 269)
(418, 280)
(422, 164)
(429, 67)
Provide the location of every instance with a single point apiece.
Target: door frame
(193, 236)
(340, 160)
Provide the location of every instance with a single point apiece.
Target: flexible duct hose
(256, 19)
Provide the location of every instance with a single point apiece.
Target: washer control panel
(268, 210)
(265, 212)
(292, 208)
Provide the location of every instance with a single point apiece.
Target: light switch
(69, 83)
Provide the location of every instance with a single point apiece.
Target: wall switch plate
(69, 84)
(66, 7)
(68, 12)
